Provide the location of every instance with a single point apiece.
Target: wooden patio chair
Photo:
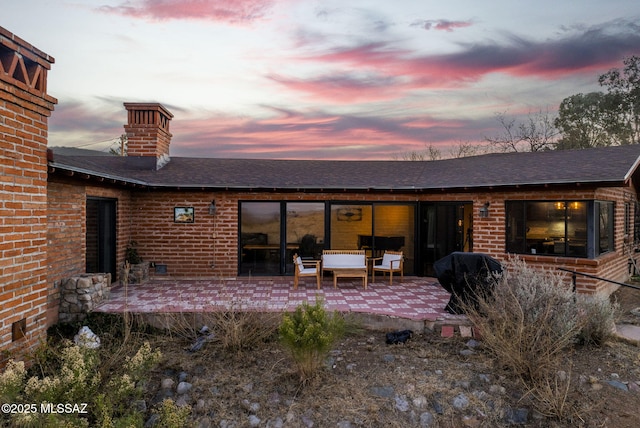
(303, 268)
(392, 261)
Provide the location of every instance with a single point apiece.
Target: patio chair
(303, 268)
(392, 261)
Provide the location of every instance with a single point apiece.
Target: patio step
(462, 330)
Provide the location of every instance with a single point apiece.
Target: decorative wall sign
(350, 214)
(183, 215)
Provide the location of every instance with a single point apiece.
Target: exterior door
(445, 227)
(101, 236)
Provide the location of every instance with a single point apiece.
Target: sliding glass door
(304, 231)
(260, 238)
(272, 232)
(375, 228)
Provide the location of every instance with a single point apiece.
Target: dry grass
(528, 320)
(550, 396)
(236, 325)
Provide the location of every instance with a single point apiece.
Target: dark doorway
(445, 227)
(101, 236)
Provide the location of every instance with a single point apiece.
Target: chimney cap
(148, 106)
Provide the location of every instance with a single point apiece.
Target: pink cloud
(289, 134)
(344, 88)
(283, 134)
(231, 11)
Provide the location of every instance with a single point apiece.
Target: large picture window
(272, 231)
(559, 228)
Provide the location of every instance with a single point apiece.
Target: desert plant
(172, 415)
(598, 315)
(308, 333)
(75, 377)
(528, 320)
(131, 253)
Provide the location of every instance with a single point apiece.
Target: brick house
(223, 218)
(66, 212)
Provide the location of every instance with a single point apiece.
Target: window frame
(516, 240)
(609, 233)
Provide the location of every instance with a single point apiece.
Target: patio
(415, 299)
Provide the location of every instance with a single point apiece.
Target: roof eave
(116, 178)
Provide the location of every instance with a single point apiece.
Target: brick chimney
(148, 133)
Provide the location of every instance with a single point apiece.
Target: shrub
(308, 333)
(528, 320)
(598, 315)
(72, 375)
(172, 415)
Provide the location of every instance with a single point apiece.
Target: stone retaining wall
(80, 294)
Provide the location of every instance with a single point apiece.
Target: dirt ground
(371, 384)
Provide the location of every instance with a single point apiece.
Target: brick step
(459, 330)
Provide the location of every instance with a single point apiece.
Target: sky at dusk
(324, 79)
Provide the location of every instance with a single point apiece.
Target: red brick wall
(24, 111)
(192, 249)
(65, 239)
(66, 235)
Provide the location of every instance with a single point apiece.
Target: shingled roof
(610, 166)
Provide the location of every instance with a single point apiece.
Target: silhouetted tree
(587, 120)
(624, 87)
(604, 118)
(537, 133)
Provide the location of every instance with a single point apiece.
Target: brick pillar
(24, 111)
(147, 131)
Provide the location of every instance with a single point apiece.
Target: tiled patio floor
(415, 298)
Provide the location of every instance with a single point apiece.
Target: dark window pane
(556, 228)
(605, 226)
(577, 228)
(260, 238)
(516, 228)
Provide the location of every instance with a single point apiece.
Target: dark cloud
(588, 51)
(441, 24)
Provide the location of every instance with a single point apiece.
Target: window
(559, 228)
(636, 223)
(632, 222)
(604, 231)
(272, 231)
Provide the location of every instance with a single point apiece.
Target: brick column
(24, 111)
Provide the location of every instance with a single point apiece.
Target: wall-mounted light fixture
(484, 210)
(212, 208)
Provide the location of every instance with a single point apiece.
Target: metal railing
(574, 275)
